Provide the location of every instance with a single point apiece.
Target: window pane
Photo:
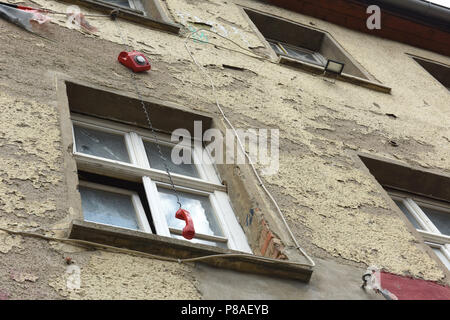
(439, 218)
(157, 163)
(208, 243)
(276, 48)
(123, 3)
(101, 144)
(297, 53)
(108, 208)
(408, 214)
(198, 206)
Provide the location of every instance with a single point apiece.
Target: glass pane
(442, 257)
(208, 243)
(440, 219)
(108, 208)
(123, 3)
(276, 48)
(157, 163)
(297, 53)
(101, 144)
(198, 206)
(408, 214)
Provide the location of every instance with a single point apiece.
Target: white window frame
(208, 184)
(127, 140)
(205, 172)
(430, 233)
(135, 200)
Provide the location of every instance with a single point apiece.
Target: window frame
(321, 60)
(139, 167)
(430, 233)
(139, 211)
(359, 76)
(205, 173)
(422, 62)
(155, 16)
(126, 136)
(135, 5)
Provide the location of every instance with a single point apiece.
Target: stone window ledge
(128, 14)
(343, 77)
(179, 249)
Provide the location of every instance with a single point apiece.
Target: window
(430, 218)
(423, 197)
(297, 53)
(110, 151)
(113, 206)
(438, 70)
(301, 43)
(149, 13)
(120, 196)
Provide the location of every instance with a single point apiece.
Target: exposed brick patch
(269, 245)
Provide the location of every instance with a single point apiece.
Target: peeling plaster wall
(118, 276)
(29, 152)
(335, 209)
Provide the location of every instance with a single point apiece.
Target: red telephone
(188, 230)
(134, 60)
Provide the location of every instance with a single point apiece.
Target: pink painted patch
(414, 289)
(3, 296)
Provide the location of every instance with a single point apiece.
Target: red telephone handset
(188, 230)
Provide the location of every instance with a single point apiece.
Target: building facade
(361, 178)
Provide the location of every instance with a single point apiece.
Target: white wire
(312, 263)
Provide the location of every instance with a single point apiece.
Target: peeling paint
(30, 151)
(337, 208)
(8, 242)
(104, 278)
(22, 277)
(3, 295)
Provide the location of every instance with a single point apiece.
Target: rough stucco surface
(118, 276)
(29, 146)
(335, 209)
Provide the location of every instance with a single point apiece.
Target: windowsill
(180, 249)
(128, 14)
(343, 77)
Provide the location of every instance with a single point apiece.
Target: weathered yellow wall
(119, 276)
(334, 208)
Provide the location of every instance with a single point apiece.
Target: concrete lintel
(124, 107)
(400, 176)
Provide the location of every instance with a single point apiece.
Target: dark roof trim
(417, 10)
(422, 25)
